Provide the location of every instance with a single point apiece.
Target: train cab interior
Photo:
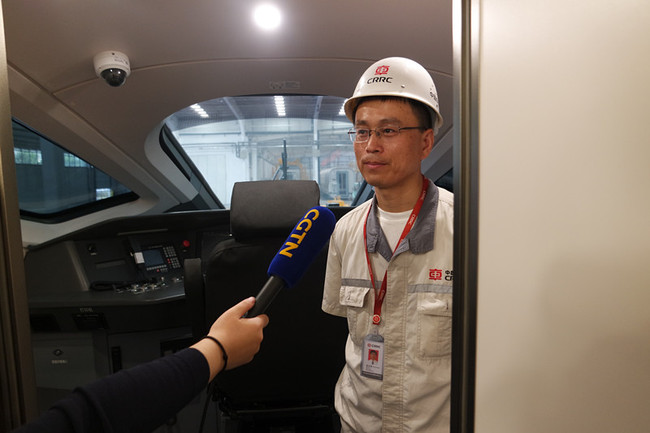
(147, 137)
(155, 155)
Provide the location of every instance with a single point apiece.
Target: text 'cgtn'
(299, 233)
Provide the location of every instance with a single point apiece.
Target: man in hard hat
(389, 268)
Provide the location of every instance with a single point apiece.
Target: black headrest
(270, 207)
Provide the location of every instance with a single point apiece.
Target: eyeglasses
(361, 135)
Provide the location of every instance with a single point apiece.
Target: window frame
(75, 211)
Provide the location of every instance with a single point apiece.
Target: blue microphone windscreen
(303, 245)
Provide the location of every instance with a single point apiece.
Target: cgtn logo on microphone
(299, 233)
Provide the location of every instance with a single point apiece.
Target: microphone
(296, 254)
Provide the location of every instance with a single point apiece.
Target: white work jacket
(413, 395)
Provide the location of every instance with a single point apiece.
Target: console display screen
(153, 257)
(159, 258)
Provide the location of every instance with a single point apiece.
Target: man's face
(390, 162)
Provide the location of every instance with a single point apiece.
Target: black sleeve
(135, 400)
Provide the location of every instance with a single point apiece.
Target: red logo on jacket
(437, 275)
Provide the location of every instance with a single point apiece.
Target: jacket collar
(420, 238)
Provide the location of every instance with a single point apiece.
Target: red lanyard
(379, 298)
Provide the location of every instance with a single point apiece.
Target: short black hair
(421, 111)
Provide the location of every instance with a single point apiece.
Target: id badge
(372, 357)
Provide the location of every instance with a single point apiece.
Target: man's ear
(427, 143)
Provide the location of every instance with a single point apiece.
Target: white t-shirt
(392, 224)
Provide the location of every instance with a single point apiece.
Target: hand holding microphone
(296, 254)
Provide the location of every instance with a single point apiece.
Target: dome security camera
(113, 67)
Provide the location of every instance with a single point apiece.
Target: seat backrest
(303, 349)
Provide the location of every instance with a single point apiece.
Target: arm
(143, 397)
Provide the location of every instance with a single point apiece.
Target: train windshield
(246, 138)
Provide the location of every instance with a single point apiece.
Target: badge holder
(372, 357)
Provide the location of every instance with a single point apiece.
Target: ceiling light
(267, 16)
(279, 106)
(199, 110)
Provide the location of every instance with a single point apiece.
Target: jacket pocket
(354, 299)
(434, 325)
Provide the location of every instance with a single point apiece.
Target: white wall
(564, 220)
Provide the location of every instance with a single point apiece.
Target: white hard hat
(397, 76)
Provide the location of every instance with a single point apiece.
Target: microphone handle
(264, 298)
